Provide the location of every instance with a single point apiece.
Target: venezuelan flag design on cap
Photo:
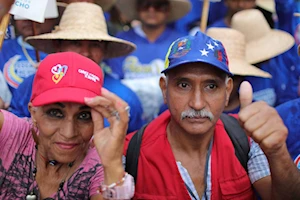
(197, 48)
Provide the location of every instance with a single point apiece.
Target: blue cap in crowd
(197, 48)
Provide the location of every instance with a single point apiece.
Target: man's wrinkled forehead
(198, 68)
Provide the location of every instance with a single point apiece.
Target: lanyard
(205, 173)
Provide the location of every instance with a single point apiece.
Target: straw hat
(82, 21)
(104, 4)
(179, 8)
(262, 42)
(268, 5)
(235, 44)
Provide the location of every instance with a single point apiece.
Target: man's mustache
(191, 113)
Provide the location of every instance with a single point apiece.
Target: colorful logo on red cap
(58, 71)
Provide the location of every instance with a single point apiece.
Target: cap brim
(195, 61)
(74, 95)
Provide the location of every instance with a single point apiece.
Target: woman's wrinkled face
(65, 130)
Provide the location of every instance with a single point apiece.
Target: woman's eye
(85, 116)
(55, 113)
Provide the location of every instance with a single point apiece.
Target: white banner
(30, 9)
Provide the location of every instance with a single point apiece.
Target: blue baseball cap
(197, 48)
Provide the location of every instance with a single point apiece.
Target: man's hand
(262, 122)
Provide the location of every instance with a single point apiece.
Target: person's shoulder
(291, 107)
(9, 45)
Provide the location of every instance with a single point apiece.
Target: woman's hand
(109, 141)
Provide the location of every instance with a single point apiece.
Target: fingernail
(104, 91)
(88, 99)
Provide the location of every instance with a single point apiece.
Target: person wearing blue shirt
(141, 69)
(271, 50)
(290, 114)
(17, 58)
(96, 45)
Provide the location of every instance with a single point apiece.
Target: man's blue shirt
(149, 57)
(290, 114)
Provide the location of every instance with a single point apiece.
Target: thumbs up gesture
(261, 122)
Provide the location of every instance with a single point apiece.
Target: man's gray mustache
(197, 113)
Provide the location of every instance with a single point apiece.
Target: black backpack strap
(238, 138)
(133, 153)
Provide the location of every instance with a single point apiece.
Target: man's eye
(85, 116)
(55, 113)
(183, 85)
(211, 86)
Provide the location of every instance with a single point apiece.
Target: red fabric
(158, 175)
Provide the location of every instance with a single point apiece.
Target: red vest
(158, 176)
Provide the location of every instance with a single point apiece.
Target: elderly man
(87, 36)
(186, 153)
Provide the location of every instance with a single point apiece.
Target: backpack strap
(238, 138)
(133, 153)
(236, 133)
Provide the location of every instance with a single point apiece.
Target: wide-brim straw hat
(234, 43)
(104, 4)
(262, 42)
(179, 8)
(268, 5)
(82, 21)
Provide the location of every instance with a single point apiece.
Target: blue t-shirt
(14, 64)
(149, 57)
(290, 114)
(22, 97)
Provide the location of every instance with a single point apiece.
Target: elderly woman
(64, 151)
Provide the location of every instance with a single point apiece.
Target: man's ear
(229, 87)
(163, 87)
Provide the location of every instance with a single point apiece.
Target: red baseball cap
(66, 77)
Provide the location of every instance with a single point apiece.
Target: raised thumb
(246, 94)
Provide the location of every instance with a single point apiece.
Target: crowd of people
(129, 99)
